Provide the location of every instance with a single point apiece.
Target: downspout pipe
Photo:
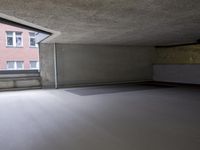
(55, 66)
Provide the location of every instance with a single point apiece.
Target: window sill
(33, 46)
(14, 46)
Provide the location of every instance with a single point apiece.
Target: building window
(10, 65)
(32, 40)
(18, 39)
(15, 65)
(10, 39)
(14, 39)
(34, 65)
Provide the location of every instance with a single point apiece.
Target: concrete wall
(47, 65)
(178, 55)
(19, 79)
(178, 64)
(85, 65)
(186, 73)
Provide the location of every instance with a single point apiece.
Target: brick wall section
(24, 53)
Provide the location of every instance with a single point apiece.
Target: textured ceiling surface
(116, 22)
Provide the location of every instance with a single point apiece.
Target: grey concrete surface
(47, 65)
(117, 88)
(91, 64)
(179, 73)
(19, 83)
(17, 79)
(118, 22)
(154, 119)
(7, 84)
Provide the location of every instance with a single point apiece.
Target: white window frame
(9, 36)
(32, 37)
(14, 36)
(15, 65)
(37, 65)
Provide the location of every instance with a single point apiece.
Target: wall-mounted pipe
(55, 67)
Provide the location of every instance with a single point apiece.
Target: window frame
(32, 37)
(37, 65)
(17, 36)
(15, 65)
(7, 36)
(14, 39)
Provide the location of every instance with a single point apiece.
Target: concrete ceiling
(118, 22)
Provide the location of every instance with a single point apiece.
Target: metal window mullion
(14, 39)
(37, 64)
(15, 65)
(22, 65)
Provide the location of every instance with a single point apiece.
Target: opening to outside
(19, 48)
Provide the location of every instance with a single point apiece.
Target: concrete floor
(142, 119)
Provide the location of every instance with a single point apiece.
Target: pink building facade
(18, 49)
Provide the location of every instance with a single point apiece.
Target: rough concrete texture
(178, 55)
(6, 84)
(18, 79)
(158, 119)
(177, 64)
(47, 65)
(19, 83)
(27, 83)
(81, 64)
(132, 22)
(84, 64)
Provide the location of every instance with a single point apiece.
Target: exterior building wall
(24, 53)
